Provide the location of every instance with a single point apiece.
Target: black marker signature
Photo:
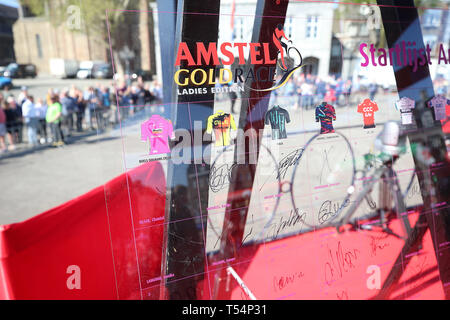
(293, 158)
(329, 210)
(293, 219)
(342, 260)
(220, 176)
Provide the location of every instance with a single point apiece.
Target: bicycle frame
(382, 173)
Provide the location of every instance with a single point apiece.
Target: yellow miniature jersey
(222, 123)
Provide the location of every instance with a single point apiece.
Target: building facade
(307, 25)
(8, 15)
(38, 39)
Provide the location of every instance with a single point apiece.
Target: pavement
(33, 180)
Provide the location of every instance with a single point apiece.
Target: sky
(10, 3)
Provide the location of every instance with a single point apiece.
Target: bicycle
(287, 50)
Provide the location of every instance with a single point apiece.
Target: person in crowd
(48, 97)
(19, 121)
(105, 96)
(339, 90)
(140, 96)
(321, 89)
(148, 96)
(441, 86)
(2, 125)
(53, 118)
(373, 89)
(92, 106)
(69, 107)
(347, 90)
(157, 91)
(133, 98)
(41, 110)
(11, 122)
(125, 104)
(81, 107)
(330, 96)
(307, 91)
(30, 116)
(23, 95)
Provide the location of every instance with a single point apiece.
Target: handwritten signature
(343, 295)
(282, 282)
(376, 244)
(294, 218)
(340, 261)
(293, 158)
(220, 176)
(329, 210)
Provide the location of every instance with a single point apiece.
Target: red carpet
(327, 265)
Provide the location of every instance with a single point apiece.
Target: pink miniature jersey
(439, 103)
(158, 130)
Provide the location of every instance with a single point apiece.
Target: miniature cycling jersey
(405, 105)
(158, 130)
(325, 113)
(439, 103)
(277, 117)
(221, 123)
(368, 109)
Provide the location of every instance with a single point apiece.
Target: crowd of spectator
(53, 118)
(308, 90)
(61, 113)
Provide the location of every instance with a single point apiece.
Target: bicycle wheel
(323, 177)
(219, 194)
(296, 56)
(280, 64)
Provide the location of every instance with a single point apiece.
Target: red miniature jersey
(368, 109)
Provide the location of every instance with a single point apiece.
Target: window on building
(431, 40)
(432, 18)
(288, 26)
(39, 46)
(311, 26)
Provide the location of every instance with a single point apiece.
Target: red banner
(93, 241)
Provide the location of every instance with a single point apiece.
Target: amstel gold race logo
(288, 59)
